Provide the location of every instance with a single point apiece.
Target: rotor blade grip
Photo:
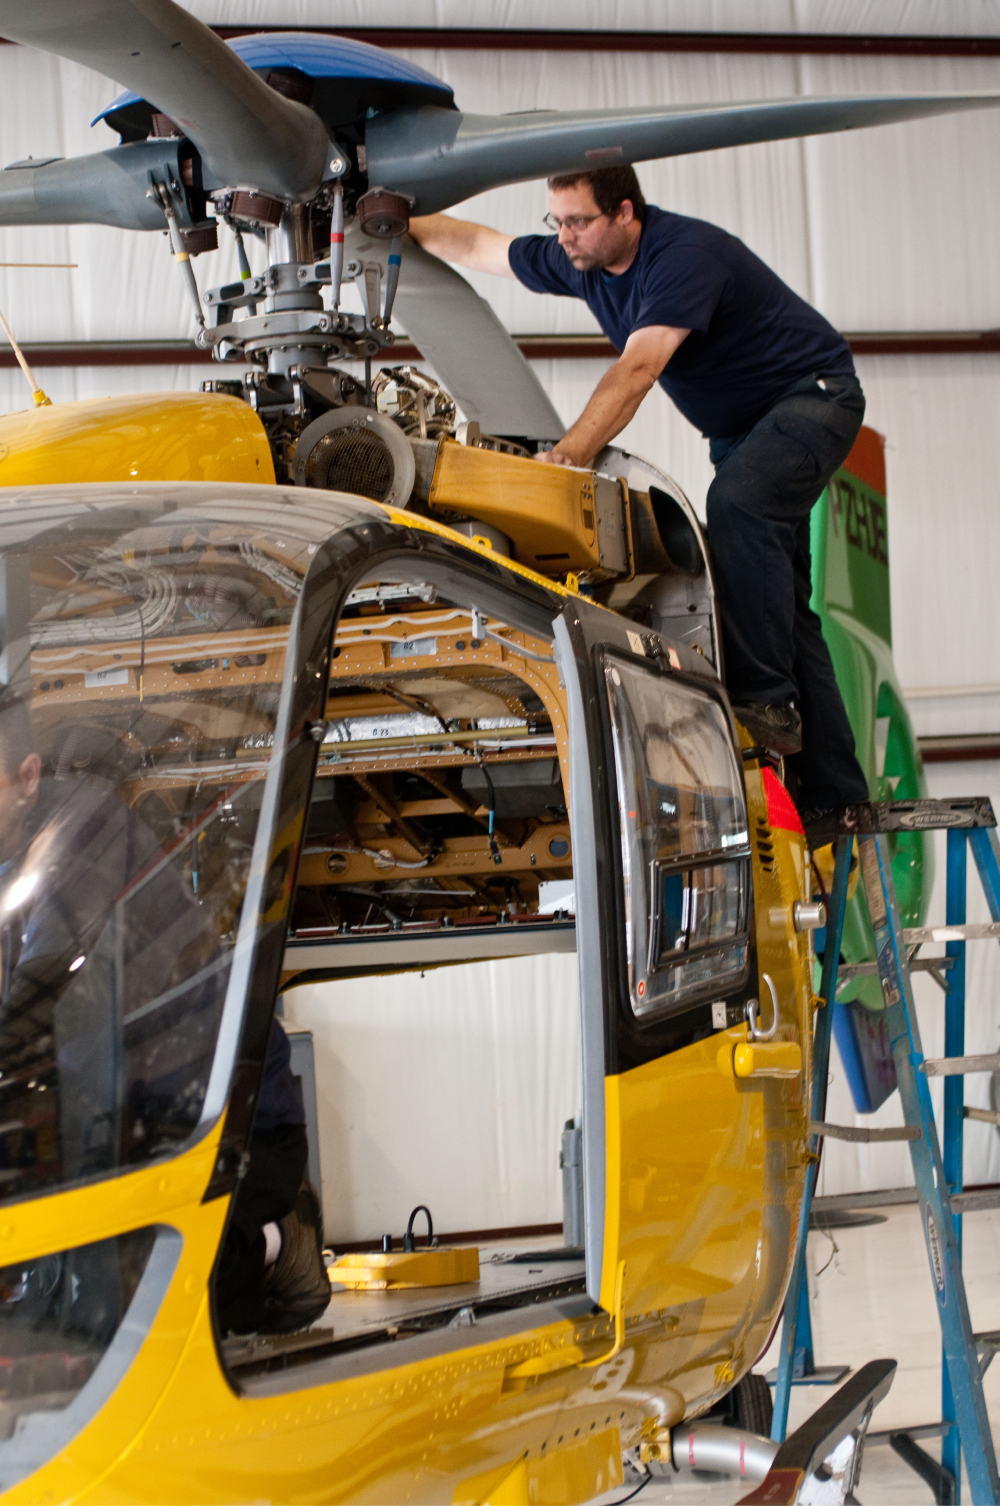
(108, 188)
(249, 136)
(442, 157)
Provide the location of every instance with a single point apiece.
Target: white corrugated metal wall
(891, 229)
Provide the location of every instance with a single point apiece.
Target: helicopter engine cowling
(357, 450)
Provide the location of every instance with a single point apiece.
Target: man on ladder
(772, 387)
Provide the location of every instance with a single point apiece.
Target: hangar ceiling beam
(531, 39)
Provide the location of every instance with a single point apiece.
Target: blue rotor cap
(371, 79)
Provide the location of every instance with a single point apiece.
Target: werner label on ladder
(937, 1162)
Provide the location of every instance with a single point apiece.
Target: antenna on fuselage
(41, 400)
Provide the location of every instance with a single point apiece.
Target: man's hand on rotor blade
(617, 395)
(463, 242)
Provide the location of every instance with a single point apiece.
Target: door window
(685, 853)
(145, 652)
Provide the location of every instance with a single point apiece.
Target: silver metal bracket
(810, 1457)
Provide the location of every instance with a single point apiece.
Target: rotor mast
(286, 327)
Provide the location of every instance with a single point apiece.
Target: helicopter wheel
(753, 1405)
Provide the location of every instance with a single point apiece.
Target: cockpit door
(662, 875)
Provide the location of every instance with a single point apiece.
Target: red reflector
(781, 812)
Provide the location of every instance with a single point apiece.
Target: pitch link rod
(392, 277)
(241, 254)
(181, 254)
(337, 245)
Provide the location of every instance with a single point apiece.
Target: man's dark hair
(611, 186)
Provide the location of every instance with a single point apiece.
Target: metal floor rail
(937, 1163)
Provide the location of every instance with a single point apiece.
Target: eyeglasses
(572, 222)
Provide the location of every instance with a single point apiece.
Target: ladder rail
(817, 1107)
(952, 1121)
(986, 851)
(940, 1236)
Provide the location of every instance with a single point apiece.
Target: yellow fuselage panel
(161, 436)
(705, 1168)
(174, 1430)
(548, 510)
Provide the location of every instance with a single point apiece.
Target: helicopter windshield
(145, 638)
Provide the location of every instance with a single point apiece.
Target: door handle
(760, 1055)
(756, 1034)
(768, 1059)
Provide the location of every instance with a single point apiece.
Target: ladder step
(975, 1202)
(887, 1197)
(958, 1066)
(875, 816)
(922, 1430)
(984, 1116)
(989, 931)
(862, 1134)
(987, 1345)
(848, 970)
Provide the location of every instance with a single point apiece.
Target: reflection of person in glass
(112, 978)
(110, 986)
(270, 1276)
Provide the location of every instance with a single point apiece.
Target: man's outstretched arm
(461, 241)
(617, 396)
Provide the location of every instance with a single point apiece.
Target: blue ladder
(937, 1173)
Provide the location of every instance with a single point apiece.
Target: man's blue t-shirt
(751, 337)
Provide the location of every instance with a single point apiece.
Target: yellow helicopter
(305, 679)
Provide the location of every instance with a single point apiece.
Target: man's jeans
(766, 482)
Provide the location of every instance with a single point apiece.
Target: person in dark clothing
(111, 984)
(770, 384)
(270, 1277)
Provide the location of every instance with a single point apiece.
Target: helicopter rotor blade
(248, 135)
(442, 157)
(472, 353)
(461, 337)
(107, 188)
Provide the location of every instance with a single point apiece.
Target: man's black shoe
(778, 728)
(298, 1288)
(820, 825)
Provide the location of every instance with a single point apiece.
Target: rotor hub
(256, 208)
(384, 214)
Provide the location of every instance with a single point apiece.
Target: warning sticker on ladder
(937, 1264)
